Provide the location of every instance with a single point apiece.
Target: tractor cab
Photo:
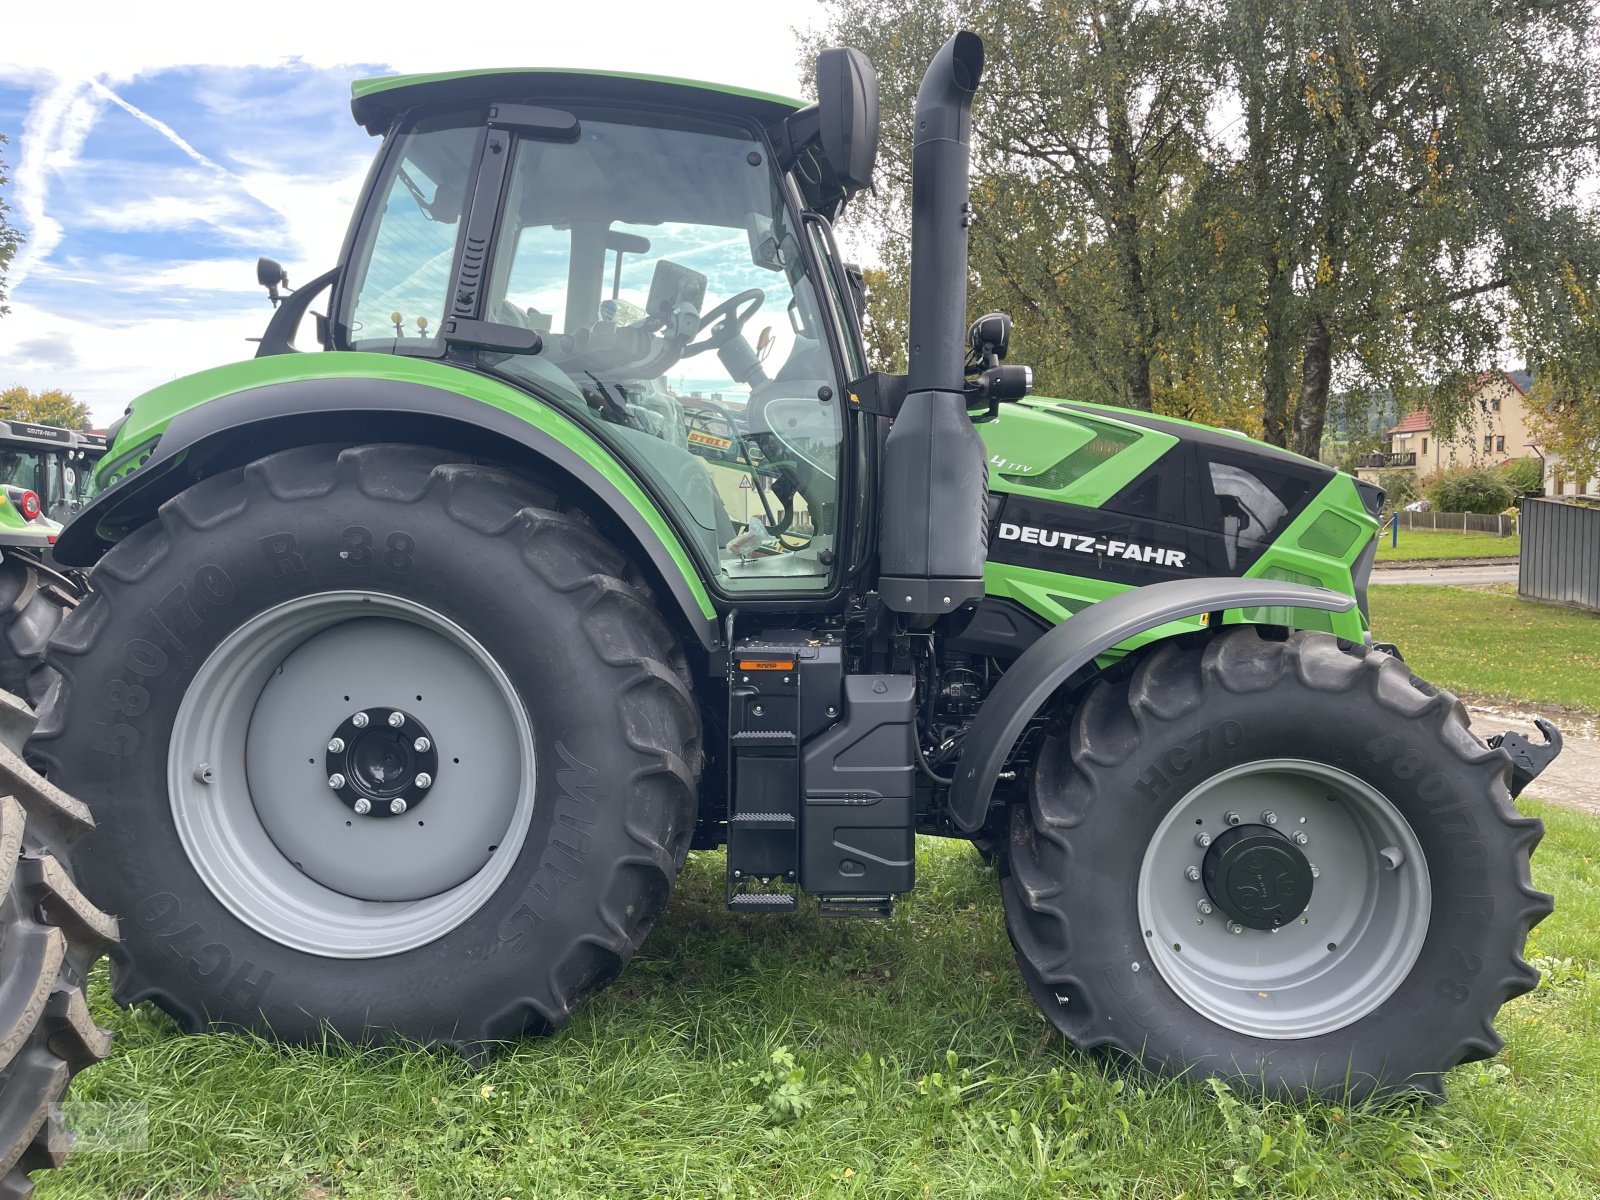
(652, 258)
(33, 460)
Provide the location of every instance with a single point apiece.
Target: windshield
(39, 472)
(80, 481)
(677, 317)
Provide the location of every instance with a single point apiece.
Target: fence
(1497, 524)
(1560, 553)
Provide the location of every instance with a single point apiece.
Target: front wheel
(383, 743)
(1283, 863)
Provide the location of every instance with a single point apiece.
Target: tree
(1085, 126)
(10, 239)
(1566, 423)
(1403, 193)
(1393, 205)
(52, 407)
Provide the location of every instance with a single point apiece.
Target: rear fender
(1075, 643)
(229, 429)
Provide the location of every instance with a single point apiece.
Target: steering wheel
(729, 317)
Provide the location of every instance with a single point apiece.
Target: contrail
(161, 127)
(53, 134)
(178, 140)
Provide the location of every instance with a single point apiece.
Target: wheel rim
(1362, 925)
(292, 856)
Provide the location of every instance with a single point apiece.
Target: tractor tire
(1286, 864)
(513, 790)
(49, 938)
(32, 603)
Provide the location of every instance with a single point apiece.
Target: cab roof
(376, 102)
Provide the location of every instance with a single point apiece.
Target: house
(1495, 431)
(1559, 482)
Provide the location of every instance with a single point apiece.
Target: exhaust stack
(933, 539)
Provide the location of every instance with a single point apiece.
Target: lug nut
(336, 781)
(423, 780)
(397, 719)
(421, 745)
(1269, 817)
(1202, 840)
(359, 720)
(1203, 907)
(1315, 873)
(397, 806)
(1232, 818)
(1235, 927)
(1299, 838)
(1192, 874)
(335, 746)
(363, 806)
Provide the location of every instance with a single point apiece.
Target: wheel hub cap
(376, 757)
(1257, 876)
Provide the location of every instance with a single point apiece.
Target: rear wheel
(1283, 863)
(386, 743)
(33, 600)
(49, 937)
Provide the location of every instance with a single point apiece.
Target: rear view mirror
(990, 336)
(847, 100)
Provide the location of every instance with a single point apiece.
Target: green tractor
(50, 934)
(414, 668)
(46, 475)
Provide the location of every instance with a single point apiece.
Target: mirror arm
(796, 134)
(279, 335)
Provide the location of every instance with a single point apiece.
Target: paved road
(1458, 576)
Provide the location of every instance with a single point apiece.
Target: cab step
(878, 908)
(762, 820)
(762, 902)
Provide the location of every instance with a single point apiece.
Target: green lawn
(1427, 543)
(757, 1057)
(1484, 642)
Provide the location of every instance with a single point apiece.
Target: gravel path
(1472, 574)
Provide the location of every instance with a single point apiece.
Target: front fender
(220, 419)
(1077, 642)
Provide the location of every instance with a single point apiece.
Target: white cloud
(743, 42)
(57, 125)
(108, 326)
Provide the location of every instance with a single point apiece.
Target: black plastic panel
(859, 778)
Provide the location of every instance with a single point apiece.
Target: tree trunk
(1277, 355)
(1315, 371)
(1122, 190)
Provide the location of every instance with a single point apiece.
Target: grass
(1418, 544)
(751, 1057)
(1486, 643)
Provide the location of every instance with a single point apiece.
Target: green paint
(1294, 558)
(17, 530)
(1056, 597)
(1084, 455)
(1030, 442)
(154, 410)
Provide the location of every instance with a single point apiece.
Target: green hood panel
(150, 415)
(1117, 485)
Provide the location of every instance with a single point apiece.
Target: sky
(157, 149)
